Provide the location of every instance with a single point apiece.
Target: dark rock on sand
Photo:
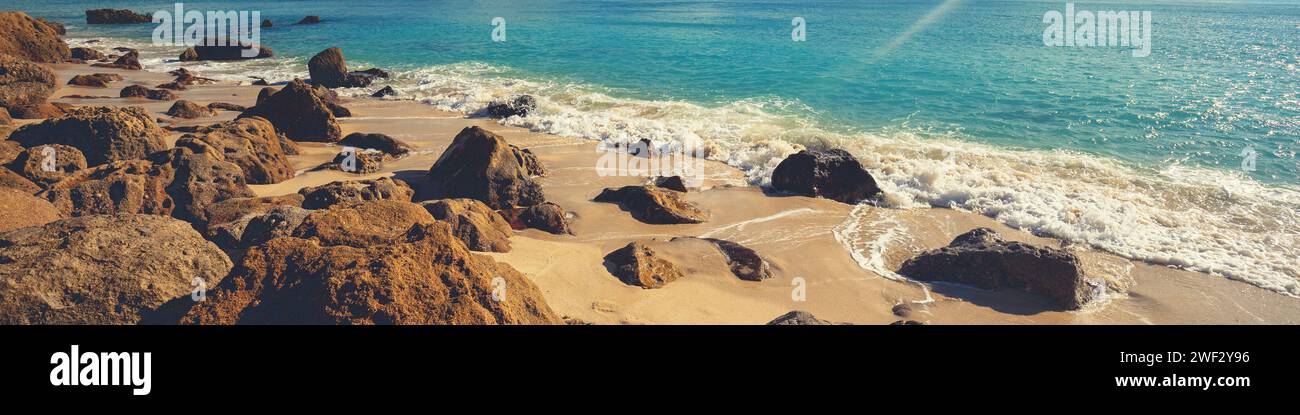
(310, 20)
(654, 205)
(226, 106)
(28, 39)
(115, 16)
(23, 210)
(352, 160)
(175, 86)
(744, 262)
(907, 323)
(103, 134)
(548, 217)
(87, 54)
(102, 269)
(381, 142)
(24, 83)
(48, 164)
(188, 109)
(832, 174)
(298, 112)
(981, 258)
(798, 318)
(636, 264)
(384, 92)
(520, 105)
(324, 196)
(99, 80)
(671, 183)
(232, 50)
(427, 277)
(254, 145)
(480, 165)
(474, 223)
(131, 61)
(139, 91)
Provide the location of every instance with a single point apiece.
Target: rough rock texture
(257, 228)
(520, 105)
(798, 318)
(356, 161)
(744, 262)
(140, 91)
(982, 259)
(254, 145)
(9, 151)
(87, 54)
(27, 38)
(298, 112)
(11, 180)
(103, 134)
(231, 210)
(636, 264)
(21, 210)
(226, 106)
(362, 224)
(328, 68)
(23, 83)
(832, 174)
(48, 164)
(481, 165)
(189, 110)
(387, 145)
(199, 178)
(324, 196)
(473, 222)
(654, 205)
(115, 16)
(428, 278)
(102, 269)
(548, 217)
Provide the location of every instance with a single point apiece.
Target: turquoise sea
(952, 103)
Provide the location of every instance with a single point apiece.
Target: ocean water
(950, 103)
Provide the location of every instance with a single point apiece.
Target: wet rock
(299, 113)
(798, 318)
(213, 49)
(99, 80)
(254, 145)
(115, 16)
(384, 92)
(636, 264)
(24, 83)
(654, 205)
(21, 210)
(310, 20)
(189, 110)
(324, 196)
(832, 174)
(548, 217)
(102, 269)
(25, 38)
(520, 105)
(387, 145)
(103, 134)
(473, 222)
(48, 164)
(744, 262)
(982, 259)
(481, 165)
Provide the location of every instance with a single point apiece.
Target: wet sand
(806, 240)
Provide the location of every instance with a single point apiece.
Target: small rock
(654, 205)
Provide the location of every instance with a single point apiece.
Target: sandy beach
(806, 240)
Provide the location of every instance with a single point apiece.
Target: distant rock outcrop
(654, 205)
(47, 164)
(636, 264)
(22, 210)
(115, 16)
(481, 165)
(329, 69)
(832, 174)
(310, 20)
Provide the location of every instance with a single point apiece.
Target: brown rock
(102, 269)
(636, 264)
(257, 228)
(9, 151)
(226, 106)
(324, 196)
(5, 119)
(11, 180)
(328, 68)
(29, 39)
(548, 217)
(744, 262)
(188, 109)
(175, 86)
(115, 16)
(87, 54)
(254, 145)
(362, 224)
(24, 83)
(481, 165)
(58, 27)
(267, 23)
(387, 145)
(125, 187)
(431, 278)
(832, 174)
(99, 80)
(130, 60)
(351, 160)
(23, 210)
(41, 111)
(473, 223)
(798, 318)
(653, 204)
(103, 134)
(139, 91)
(299, 113)
(48, 164)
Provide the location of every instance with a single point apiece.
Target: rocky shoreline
(291, 205)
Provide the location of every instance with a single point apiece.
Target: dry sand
(797, 235)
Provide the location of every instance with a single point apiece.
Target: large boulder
(254, 145)
(115, 16)
(636, 264)
(981, 258)
(426, 277)
(24, 83)
(363, 224)
(103, 134)
(189, 110)
(833, 174)
(200, 177)
(328, 68)
(48, 164)
(374, 141)
(324, 196)
(30, 39)
(473, 223)
(140, 91)
(103, 269)
(232, 50)
(654, 204)
(481, 165)
(231, 210)
(548, 217)
(298, 112)
(21, 210)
